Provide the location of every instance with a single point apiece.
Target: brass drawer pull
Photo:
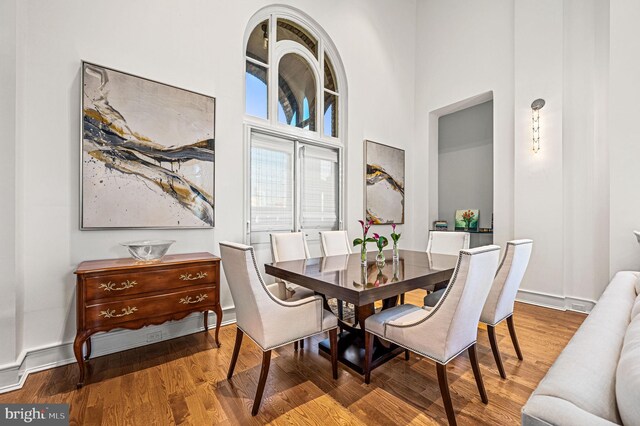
(112, 286)
(111, 313)
(188, 300)
(189, 277)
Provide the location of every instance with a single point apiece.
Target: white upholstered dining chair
(444, 242)
(499, 304)
(270, 322)
(335, 243)
(445, 331)
(287, 246)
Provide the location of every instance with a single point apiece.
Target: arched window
(295, 91)
(290, 76)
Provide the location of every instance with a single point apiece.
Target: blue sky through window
(327, 121)
(256, 97)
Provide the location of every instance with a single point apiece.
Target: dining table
(347, 279)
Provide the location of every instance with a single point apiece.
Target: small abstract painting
(467, 220)
(384, 197)
(147, 153)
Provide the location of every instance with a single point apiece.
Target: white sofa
(596, 378)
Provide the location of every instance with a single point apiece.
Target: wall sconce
(536, 106)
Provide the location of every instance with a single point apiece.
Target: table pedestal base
(351, 351)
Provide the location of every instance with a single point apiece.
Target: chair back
(499, 304)
(287, 246)
(253, 302)
(444, 242)
(455, 317)
(334, 243)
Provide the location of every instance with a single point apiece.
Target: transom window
(290, 78)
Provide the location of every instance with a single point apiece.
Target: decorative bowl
(148, 250)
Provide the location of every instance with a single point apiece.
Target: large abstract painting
(147, 153)
(384, 183)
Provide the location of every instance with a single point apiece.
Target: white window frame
(271, 125)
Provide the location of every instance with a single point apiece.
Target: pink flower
(376, 236)
(393, 226)
(361, 223)
(370, 222)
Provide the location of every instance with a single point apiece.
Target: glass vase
(363, 254)
(380, 260)
(396, 251)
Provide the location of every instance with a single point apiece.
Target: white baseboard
(554, 301)
(12, 377)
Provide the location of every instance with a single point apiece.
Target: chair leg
(514, 337)
(264, 372)
(444, 391)
(368, 356)
(407, 354)
(301, 343)
(473, 357)
(333, 344)
(340, 309)
(236, 351)
(494, 348)
(402, 299)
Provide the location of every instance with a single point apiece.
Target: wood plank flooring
(183, 381)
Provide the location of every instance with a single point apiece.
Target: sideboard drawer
(137, 282)
(112, 313)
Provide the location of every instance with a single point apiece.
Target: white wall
(521, 51)
(585, 147)
(465, 163)
(464, 49)
(8, 14)
(624, 134)
(538, 202)
(198, 47)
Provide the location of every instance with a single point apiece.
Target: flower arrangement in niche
(467, 220)
(362, 242)
(467, 217)
(395, 237)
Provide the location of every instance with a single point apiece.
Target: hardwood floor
(183, 381)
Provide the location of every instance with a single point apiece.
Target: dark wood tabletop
(344, 277)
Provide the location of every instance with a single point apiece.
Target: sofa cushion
(628, 376)
(585, 372)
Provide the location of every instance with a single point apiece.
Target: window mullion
(297, 205)
(272, 96)
(254, 61)
(320, 88)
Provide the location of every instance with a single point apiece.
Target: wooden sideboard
(126, 293)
